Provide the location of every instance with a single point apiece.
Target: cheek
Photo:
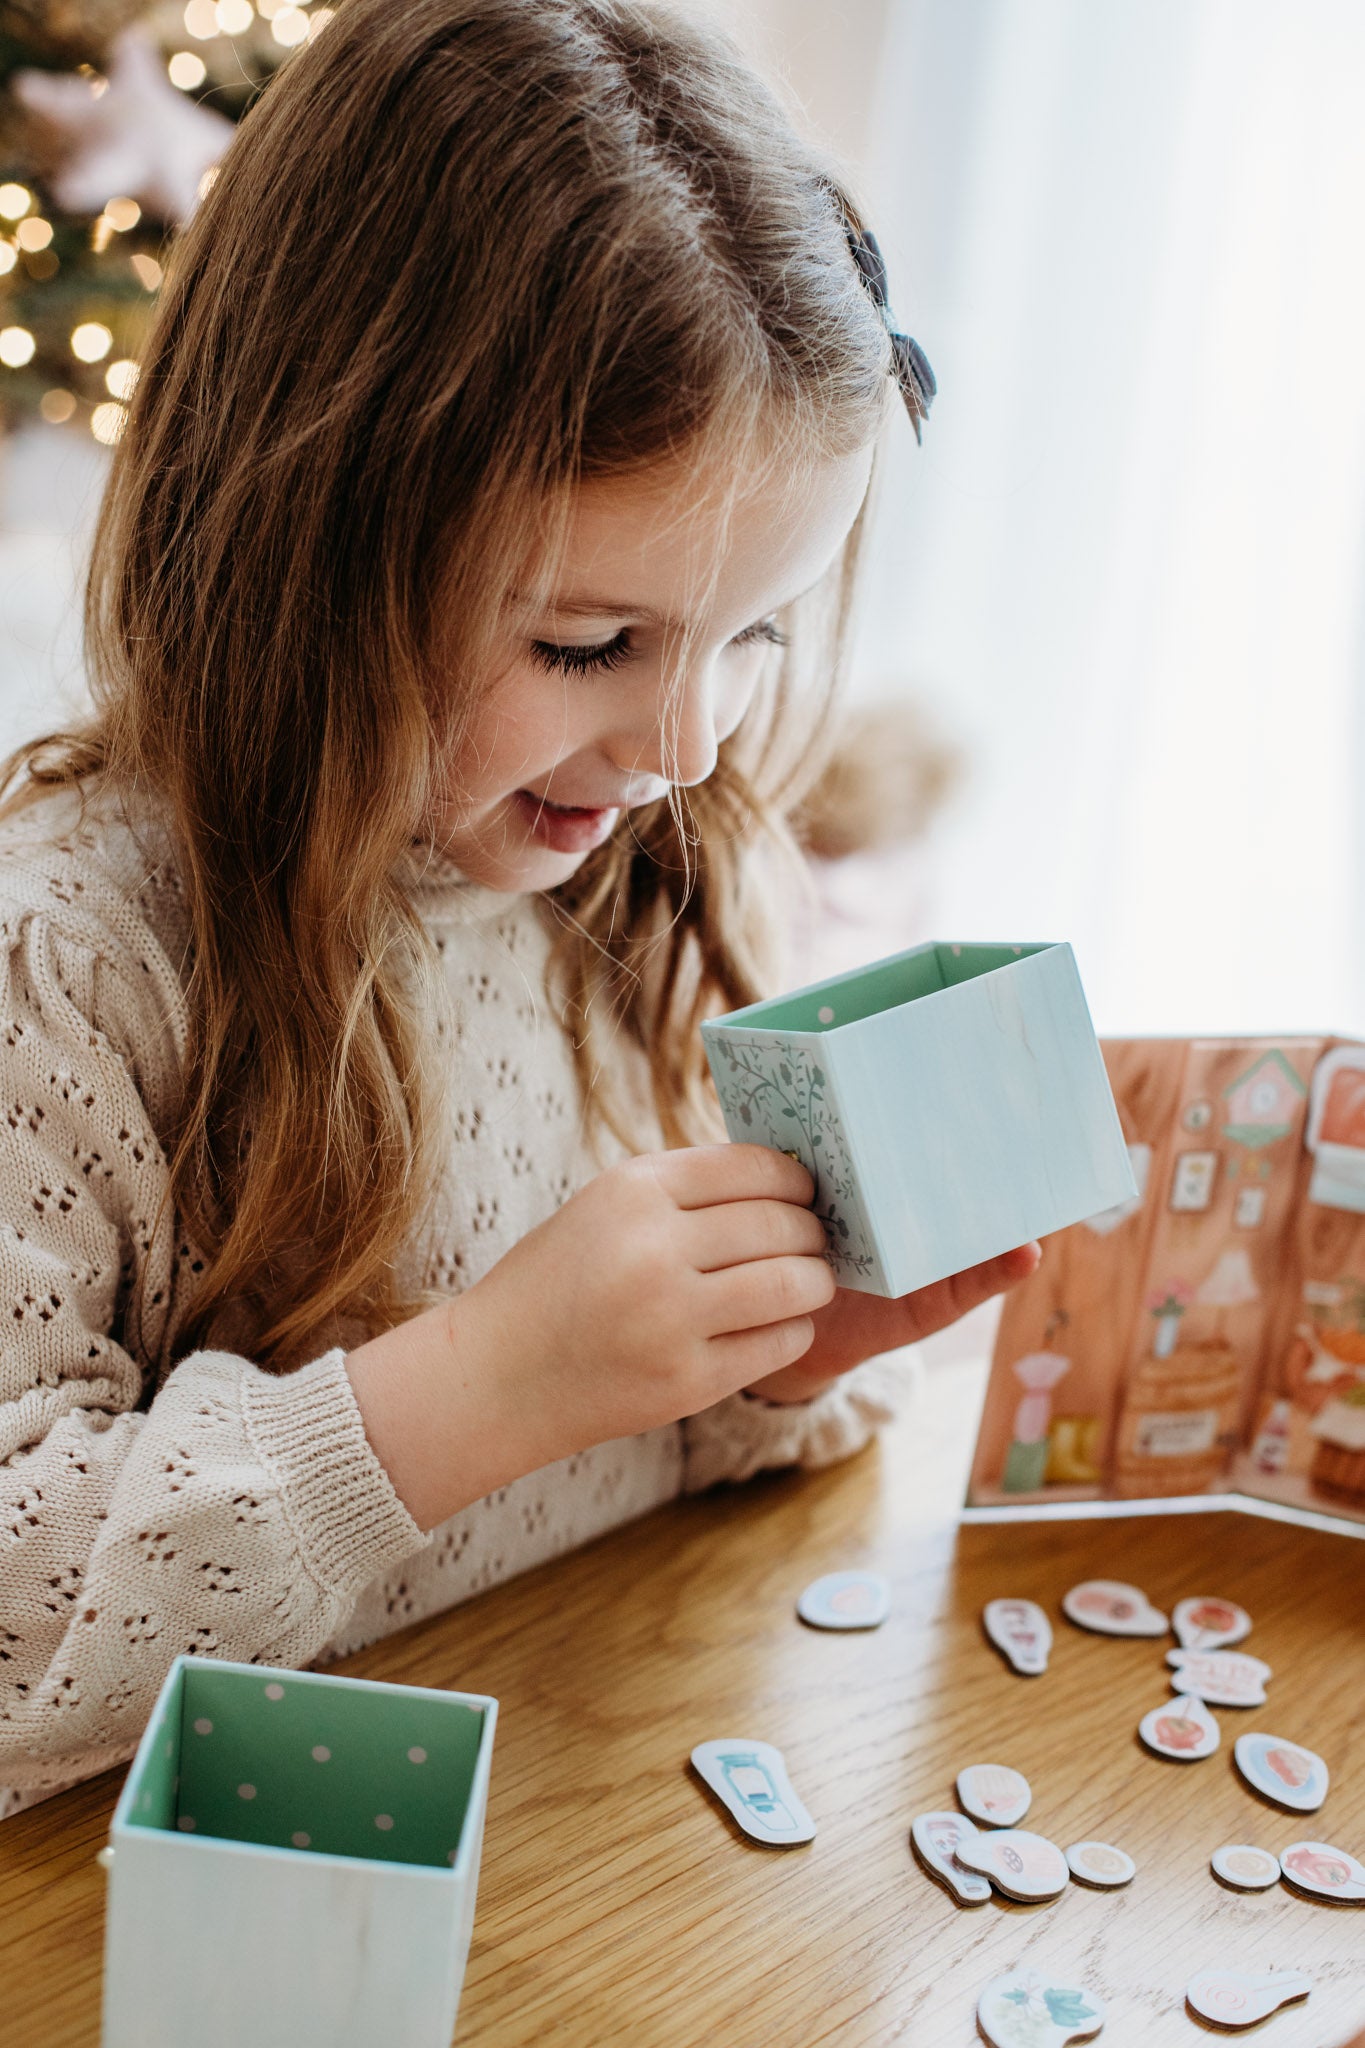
(520, 729)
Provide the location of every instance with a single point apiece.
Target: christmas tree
(112, 118)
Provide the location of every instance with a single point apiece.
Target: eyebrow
(610, 608)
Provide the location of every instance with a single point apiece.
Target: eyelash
(579, 661)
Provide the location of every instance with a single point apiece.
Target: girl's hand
(858, 1326)
(665, 1284)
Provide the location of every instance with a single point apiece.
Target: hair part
(461, 255)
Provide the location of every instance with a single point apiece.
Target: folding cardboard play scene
(951, 1103)
(295, 1858)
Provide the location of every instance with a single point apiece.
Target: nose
(678, 740)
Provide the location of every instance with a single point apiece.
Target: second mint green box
(951, 1102)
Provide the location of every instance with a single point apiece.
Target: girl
(511, 399)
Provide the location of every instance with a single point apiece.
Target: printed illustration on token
(1182, 1728)
(750, 1779)
(1111, 1608)
(935, 1838)
(1238, 1998)
(1283, 1771)
(1327, 1872)
(1100, 1863)
(1024, 1865)
(1209, 1624)
(1022, 1632)
(994, 1794)
(1224, 1678)
(1249, 1868)
(1037, 2009)
(846, 1600)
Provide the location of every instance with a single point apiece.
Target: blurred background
(1113, 634)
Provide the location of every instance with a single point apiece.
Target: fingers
(933, 1308)
(764, 1291)
(735, 1233)
(744, 1356)
(698, 1176)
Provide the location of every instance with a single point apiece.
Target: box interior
(887, 985)
(297, 1761)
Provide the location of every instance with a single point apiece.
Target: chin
(528, 871)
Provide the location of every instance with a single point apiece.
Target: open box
(951, 1102)
(295, 1861)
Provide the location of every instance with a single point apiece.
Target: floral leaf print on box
(780, 1093)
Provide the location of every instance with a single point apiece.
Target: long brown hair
(462, 254)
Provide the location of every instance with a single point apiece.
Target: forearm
(444, 1420)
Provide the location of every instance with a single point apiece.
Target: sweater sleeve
(230, 1512)
(739, 1436)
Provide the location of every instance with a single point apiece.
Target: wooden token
(1238, 1998)
(934, 1838)
(1283, 1771)
(750, 1779)
(1208, 1624)
(846, 1600)
(1111, 1608)
(1326, 1872)
(1100, 1863)
(994, 1794)
(1249, 1868)
(1037, 2009)
(1022, 1632)
(1223, 1678)
(1023, 1865)
(1181, 1728)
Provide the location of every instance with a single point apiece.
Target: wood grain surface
(618, 1903)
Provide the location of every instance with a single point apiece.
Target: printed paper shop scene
(682, 1023)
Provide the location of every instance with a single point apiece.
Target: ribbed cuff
(739, 1436)
(307, 1429)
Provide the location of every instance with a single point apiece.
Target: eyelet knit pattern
(153, 1503)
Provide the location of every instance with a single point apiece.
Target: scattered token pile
(982, 1847)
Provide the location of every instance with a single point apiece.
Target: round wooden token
(1100, 1863)
(1248, 1868)
(994, 1794)
(1208, 1624)
(844, 1600)
(1037, 2008)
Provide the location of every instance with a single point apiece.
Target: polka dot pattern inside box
(300, 1762)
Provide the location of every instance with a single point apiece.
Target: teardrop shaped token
(1021, 1630)
(1023, 1865)
(1283, 1771)
(1207, 1624)
(934, 1838)
(1223, 1678)
(1111, 1608)
(1037, 2009)
(1238, 1998)
(994, 1794)
(1181, 1728)
(750, 1778)
(1249, 1868)
(1326, 1872)
(1100, 1863)
(846, 1600)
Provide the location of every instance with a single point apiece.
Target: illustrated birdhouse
(295, 1858)
(950, 1102)
(1264, 1103)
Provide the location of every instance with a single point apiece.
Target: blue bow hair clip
(909, 363)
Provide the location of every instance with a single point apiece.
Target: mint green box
(295, 1860)
(951, 1102)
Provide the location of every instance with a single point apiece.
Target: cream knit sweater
(152, 1503)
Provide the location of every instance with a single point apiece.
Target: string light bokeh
(76, 291)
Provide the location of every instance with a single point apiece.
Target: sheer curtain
(1128, 565)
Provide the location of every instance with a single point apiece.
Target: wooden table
(618, 1903)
